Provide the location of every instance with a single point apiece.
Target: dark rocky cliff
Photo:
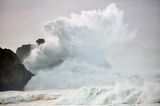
(13, 74)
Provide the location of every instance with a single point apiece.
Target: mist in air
(91, 50)
(91, 57)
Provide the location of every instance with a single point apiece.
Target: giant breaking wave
(95, 51)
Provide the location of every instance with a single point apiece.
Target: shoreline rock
(13, 74)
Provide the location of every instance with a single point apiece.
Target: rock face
(23, 51)
(13, 75)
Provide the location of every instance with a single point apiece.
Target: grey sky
(21, 21)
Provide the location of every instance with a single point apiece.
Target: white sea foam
(120, 93)
(94, 50)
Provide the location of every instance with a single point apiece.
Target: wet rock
(13, 74)
(23, 51)
(40, 41)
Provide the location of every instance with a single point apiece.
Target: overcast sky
(21, 21)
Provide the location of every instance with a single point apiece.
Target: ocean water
(93, 57)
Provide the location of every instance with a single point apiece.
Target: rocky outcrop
(13, 74)
(23, 51)
(40, 41)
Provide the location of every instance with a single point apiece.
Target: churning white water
(96, 53)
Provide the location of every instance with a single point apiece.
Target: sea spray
(95, 49)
